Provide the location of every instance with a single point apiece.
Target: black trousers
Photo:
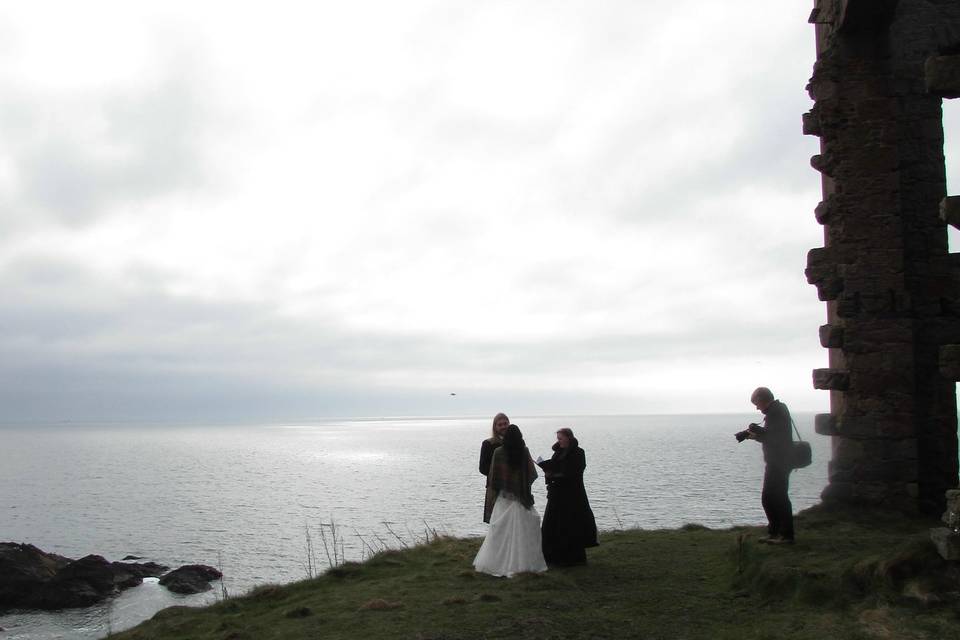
(776, 503)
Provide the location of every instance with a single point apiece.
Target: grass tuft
(488, 597)
(267, 592)
(380, 604)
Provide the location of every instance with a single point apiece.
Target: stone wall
(891, 287)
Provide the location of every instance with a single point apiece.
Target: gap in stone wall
(951, 152)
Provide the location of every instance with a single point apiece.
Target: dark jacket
(775, 434)
(486, 454)
(486, 457)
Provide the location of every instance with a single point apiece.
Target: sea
(273, 503)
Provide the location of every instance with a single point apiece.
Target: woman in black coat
(500, 424)
(568, 523)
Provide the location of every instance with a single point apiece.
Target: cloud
(557, 206)
(75, 155)
(89, 347)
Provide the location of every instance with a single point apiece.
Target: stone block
(825, 12)
(890, 495)
(950, 211)
(837, 492)
(837, 472)
(947, 542)
(831, 337)
(886, 472)
(942, 76)
(825, 424)
(822, 272)
(892, 402)
(878, 109)
(833, 115)
(874, 159)
(878, 493)
(848, 452)
(879, 335)
(811, 124)
(825, 210)
(950, 362)
(824, 163)
(873, 427)
(848, 304)
(878, 382)
(821, 88)
(877, 303)
(831, 379)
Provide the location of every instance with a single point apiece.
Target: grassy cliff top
(852, 575)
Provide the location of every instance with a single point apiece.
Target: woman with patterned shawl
(500, 424)
(513, 543)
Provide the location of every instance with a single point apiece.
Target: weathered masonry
(891, 285)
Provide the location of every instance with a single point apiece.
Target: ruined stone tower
(891, 285)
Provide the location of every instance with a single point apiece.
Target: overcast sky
(278, 211)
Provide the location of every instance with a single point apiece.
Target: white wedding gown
(513, 543)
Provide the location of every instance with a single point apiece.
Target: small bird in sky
(453, 394)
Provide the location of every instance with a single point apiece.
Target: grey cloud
(107, 350)
(78, 155)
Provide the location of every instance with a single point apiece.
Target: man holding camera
(776, 439)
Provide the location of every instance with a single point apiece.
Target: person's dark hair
(761, 394)
(493, 428)
(514, 445)
(567, 432)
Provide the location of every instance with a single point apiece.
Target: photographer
(776, 439)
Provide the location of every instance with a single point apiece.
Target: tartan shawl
(512, 480)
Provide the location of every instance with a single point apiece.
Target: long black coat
(486, 457)
(568, 523)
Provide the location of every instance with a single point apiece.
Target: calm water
(242, 497)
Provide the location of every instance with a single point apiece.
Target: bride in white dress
(513, 543)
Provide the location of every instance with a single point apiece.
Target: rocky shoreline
(32, 579)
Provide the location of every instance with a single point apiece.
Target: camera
(753, 427)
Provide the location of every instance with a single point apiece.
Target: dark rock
(32, 579)
(125, 558)
(191, 578)
(91, 579)
(23, 567)
(142, 569)
(81, 583)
